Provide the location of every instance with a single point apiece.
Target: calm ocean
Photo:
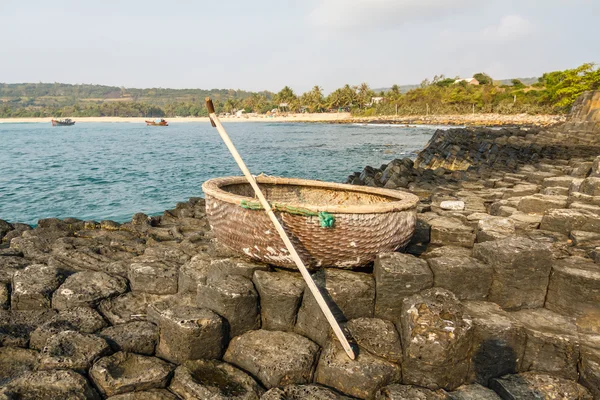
(113, 170)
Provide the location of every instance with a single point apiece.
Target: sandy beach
(462, 119)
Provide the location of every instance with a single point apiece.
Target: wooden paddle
(288, 244)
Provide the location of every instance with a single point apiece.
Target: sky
(267, 44)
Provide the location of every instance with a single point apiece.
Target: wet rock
(589, 370)
(16, 326)
(72, 350)
(532, 385)
(451, 232)
(377, 336)
(398, 276)
(348, 294)
(15, 362)
(473, 392)
(565, 221)
(152, 394)
(574, 287)
(498, 342)
(274, 358)
(153, 277)
(539, 203)
(235, 299)
(494, 228)
(188, 333)
(552, 344)
(193, 273)
(125, 308)
(128, 372)
(87, 289)
(435, 333)
(33, 286)
(54, 384)
(280, 295)
(466, 277)
(521, 269)
(212, 379)
(361, 377)
(134, 337)
(409, 392)
(81, 319)
(303, 392)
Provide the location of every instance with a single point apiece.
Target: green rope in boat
(327, 220)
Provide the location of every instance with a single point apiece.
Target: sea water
(96, 171)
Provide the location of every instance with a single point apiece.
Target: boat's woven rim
(405, 201)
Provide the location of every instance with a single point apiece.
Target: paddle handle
(286, 240)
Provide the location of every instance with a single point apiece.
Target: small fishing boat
(157, 122)
(63, 122)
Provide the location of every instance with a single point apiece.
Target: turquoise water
(113, 170)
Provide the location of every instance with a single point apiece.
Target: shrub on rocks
(521, 269)
(72, 350)
(280, 295)
(53, 384)
(435, 333)
(211, 379)
(466, 277)
(235, 299)
(87, 289)
(32, 287)
(128, 372)
(134, 337)
(15, 362)
(406, 392)
(361, 377)
(188, 333)
(348, 294)
(552, 344)
(398, 276)
(274, 358)
(534, 385)
(498, 342)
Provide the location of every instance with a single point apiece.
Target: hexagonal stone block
(72, 350)
(534, 385)
(152, 394)
(466, 277)
(15, 362)
(153, 277)
(451, 232)
(16, 326)
(348, 294)
(33, 286)
(212, 379)
(565, 221)
(361, 377)
(473, 392)
(134, 337)
(87, 289)
(539, 203)
(494, 228)
(398, 276)
(192, 273)
(280, 295)
(53, 384)
(303, 392)
(377, 336)
(435, 333)
(126, 307)
(188, 333)
(409, 392)
(128, 372)
(274, 358)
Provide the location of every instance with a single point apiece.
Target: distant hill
(406, 88)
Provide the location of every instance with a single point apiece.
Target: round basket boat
(329, 224)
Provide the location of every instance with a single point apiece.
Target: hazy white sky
(266, 44)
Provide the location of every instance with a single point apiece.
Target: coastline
(343, 118)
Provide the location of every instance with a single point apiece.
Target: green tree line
(554, 92)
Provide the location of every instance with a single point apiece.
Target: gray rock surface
(521, 269)
(534, 386)
(15, 362)
(303, 392)
(361, 377)
(126, 307)
(135, 337)
(4, 296)
(16, 326)
(436, 333)
(589, 370)
(466, 277)
(72, 350)
(398, 276)
(539, 203)
(377, 336)
(153, 276)
(212, 379)
(32, 287)
(274, 358)
(152, 394)
(451, 232)
(280, 295)
(473, 392)
(192, 273)
(87, 289)
(128, 372)
(348, 294)
(409, 392)
(53, 384)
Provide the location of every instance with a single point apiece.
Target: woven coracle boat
(329, 224)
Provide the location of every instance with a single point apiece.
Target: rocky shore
(496, 297)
